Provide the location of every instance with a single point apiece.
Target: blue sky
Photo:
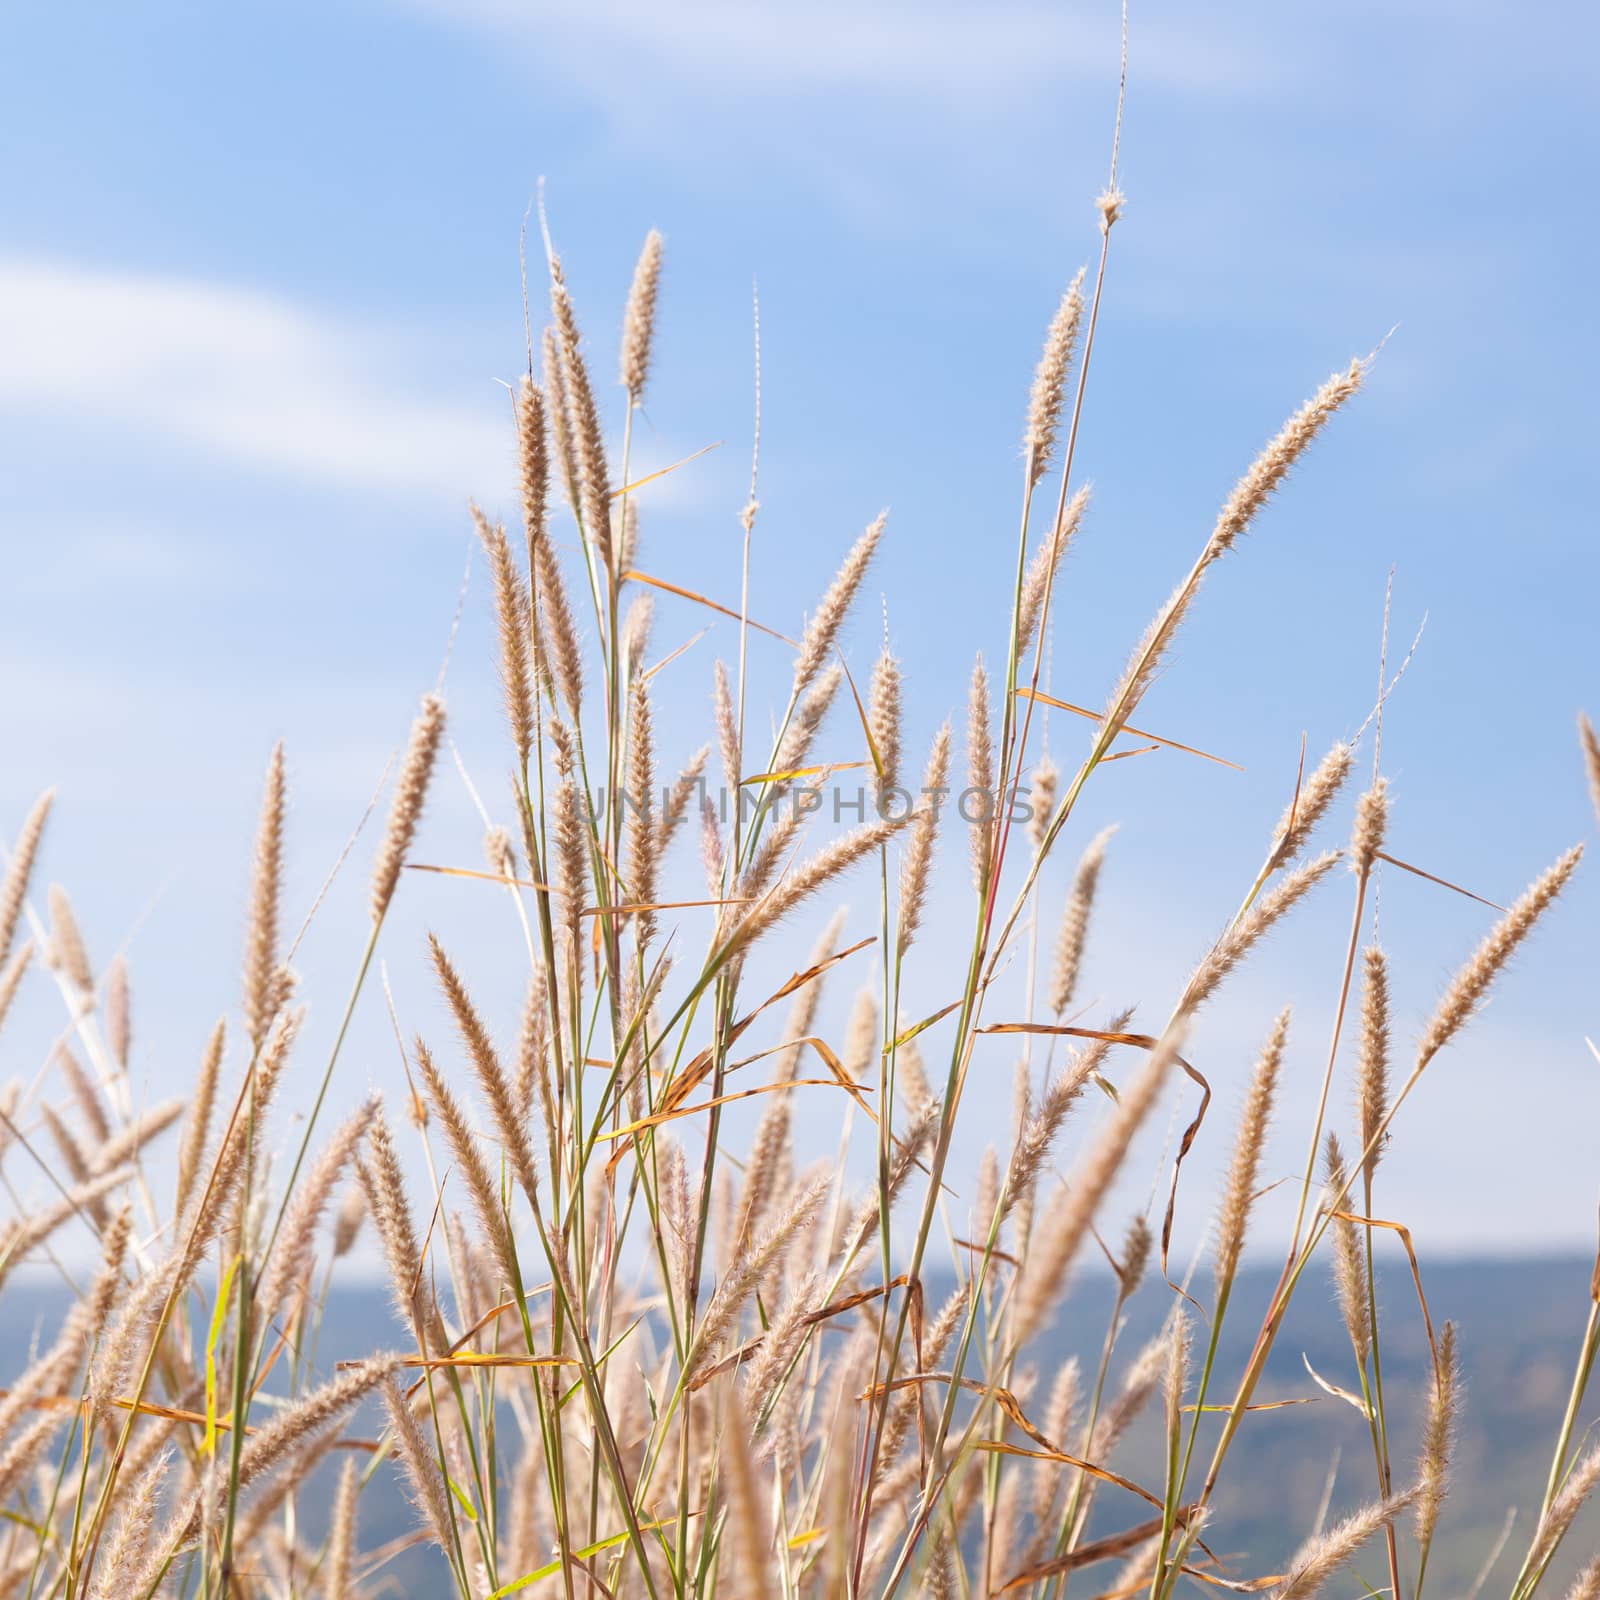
(259, 290)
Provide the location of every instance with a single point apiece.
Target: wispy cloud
(240, 374)
(951, 52)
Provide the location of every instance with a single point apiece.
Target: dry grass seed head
(583, 424)
(262, 992)
(1433, 1469)
(1372, 1065)
(1318, 1559)
(1074, 930)
(68, 953)
(823, 627)
(1050, 380)
(1249, 495)
(980, 777)
(14, 887)
(1244, 1174)
(883, 721)
(917, 866)
(514, 624)
(118, 1012)
(405, 810)
(639, 321)
(1349, 1266)
(1311, 804)
(1046, 563)
(1471, 984)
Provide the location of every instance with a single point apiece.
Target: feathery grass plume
(1319, 1558)
(804, 881)
(514, 622)
(1042, 806)
(769, 1367)
(980, 777)
(1059, 1096)
(125, 1551)
(237, 1164)
(636, 627)
(803, 1008)
(80, 1331)
(533, 1073)
(1176, 1377)
(73, 1156)
(628, 547)
(1433, 1469)
(405, 810)
(1046, 562)
(559, 415)
(918, 1134)
(776, 849)
(823, 627)
(11, 976)
(1050, 380)
(84, 1094)
(385, 1189)
(861, 1036)
(533, 461)
(1075, 922)
(769, 1150)
(571, 859)
(1147, 1374)
(202, 1101)
(1586, 1586)
(1575, 1491)
(883, 721)
(1060, 1234)
(1372, 1068)
(722, 1314)
(918, 863)
(1245, 1172)
(1349, 1266)
(675, 803)
(424, 1477)
(467, 1155)
(1046, 1475)
(27, 1232)
(1249, 495)
(1310, 805)
(939, 1580)
(643, 862)
(727, 729)
(749, 1520)
(68, 952)
(583, 422)
(118, 1012)
(806, 723)
(1244, 934)
(289, 1430)
(127, 1141)
(347, 1220)
(291, 1257)
(1591, 757)
(639, 321)
(497, 1089)
(18, 1457)
(558, 627)
(262, 989)
(14, 887)
(1471, 984)
(1371, 824)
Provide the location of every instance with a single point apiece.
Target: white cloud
(238, 373)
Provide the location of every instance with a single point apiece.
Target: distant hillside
(1519, 1326)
